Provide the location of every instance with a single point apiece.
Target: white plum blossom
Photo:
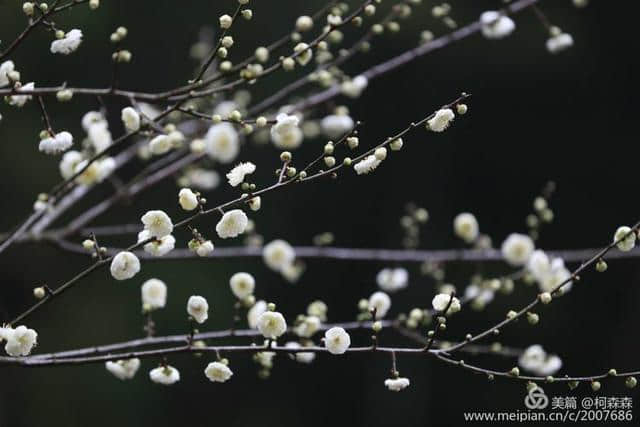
(157, 247)
(334, 20)
(160, 144)
(232, 224)
(271, 324)
(20, 100)
(381, 303)
(99, 136)
(539, 264)
(97, 171)
(158, 223)
(495, 25)
(318, 309)
(392, 279)
(254, 203)
(441, 301)
(255, 312)
(293, 271)
(236, 175)
(353, 88)
(5, 68)
(300, 356)
(305, 54)
(479, 295)
(465, 226)
(56, 144)
(441, 120)
(202, 179)
(625, 238)
(265, 358)
(308, 327)
(124, 265)
(198, 308)
(20, 341)
(242, 285)
(337, 340)
(285, 133)
(304, 23)
(549, 273)
(396, 384)
(278, 255)
(154, 294)
(124, 369)
(148, 110)
(204, 248)
(225, 108)
(131, 119)
(517, 248)
(5, 331)
(336, 125)
(536, 360)
(366, 165)
(165, 375)
(187, 199)
(218, 372)
(68, 44)
(222, 142)
(560, 42)
(69, 161)
(92, 118)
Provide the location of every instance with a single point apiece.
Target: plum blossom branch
(329, 252)
(574, 276)
(215, 210)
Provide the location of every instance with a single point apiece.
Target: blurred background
(533, 117)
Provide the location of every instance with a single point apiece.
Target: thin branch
(508, 375)
(214, 51)
(574, 276)
(410, 55)
(328, 252)
(33, 23)
(215, 210)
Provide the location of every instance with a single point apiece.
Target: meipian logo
(536, 399)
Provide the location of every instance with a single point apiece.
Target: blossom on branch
(20, 341)
(517, 248)
(154, 294)
(158, 223)
(271, 324)
(218, 372)
(123, 369)
(198, 308)
(495, 25)
(242, 285)
(337, 340)
(396, 384)
(232, 224)
(124, 265)
(392, 279)
(165, 375)
(441, 120)
(237, 175)
(222, 143)
(68, 44)
(56, 144)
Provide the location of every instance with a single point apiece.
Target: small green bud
(601, 266)
(631, 382)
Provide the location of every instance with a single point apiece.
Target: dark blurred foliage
(533, 117)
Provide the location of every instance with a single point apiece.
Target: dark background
(533, 117)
